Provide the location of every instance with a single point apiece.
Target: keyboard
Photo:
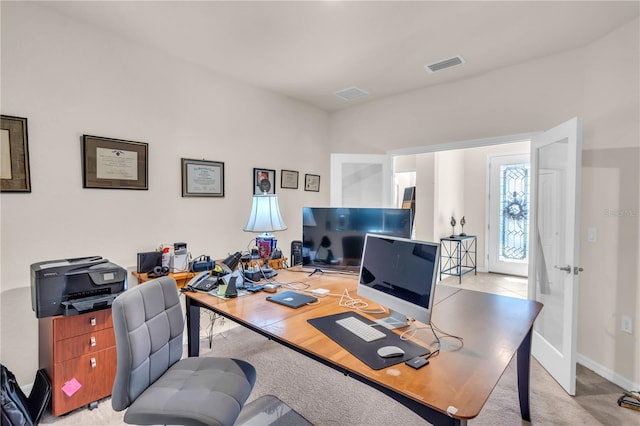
(361, 329)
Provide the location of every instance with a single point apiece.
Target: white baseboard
(608, 374)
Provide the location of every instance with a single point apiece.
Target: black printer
(75, 286)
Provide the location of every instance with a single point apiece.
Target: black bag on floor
(17, 408)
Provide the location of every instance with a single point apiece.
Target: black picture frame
(312, 182)
(109, 163)
(202, 178)
(260, 174)
(289, 179)
(16, 174)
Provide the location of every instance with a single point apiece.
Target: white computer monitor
(400, 274)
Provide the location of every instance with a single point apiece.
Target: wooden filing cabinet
(81, 347)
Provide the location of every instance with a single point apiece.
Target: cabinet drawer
(65, 327)
(85, 344)
(96, 380)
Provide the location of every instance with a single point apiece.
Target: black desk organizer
(367, 351)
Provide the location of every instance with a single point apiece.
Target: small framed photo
(14, 155)
(202, 178)
(312, 183)
(264, 181)
(114, 163)
(289, 179)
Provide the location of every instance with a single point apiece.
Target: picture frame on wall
(202, 178)
(114, 163)
(264, 181)
(289, 179)
(312, 183)
(15, 175)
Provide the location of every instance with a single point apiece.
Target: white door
(361, 180)
(555, 242)
(508, 230)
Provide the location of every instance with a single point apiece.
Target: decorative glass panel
(514, 215)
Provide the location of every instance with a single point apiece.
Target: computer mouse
(390, 351)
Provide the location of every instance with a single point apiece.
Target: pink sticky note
(71, 387)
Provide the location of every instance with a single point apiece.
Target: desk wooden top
(492, 326)
(180, 277)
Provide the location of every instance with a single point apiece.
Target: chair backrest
(148, 325)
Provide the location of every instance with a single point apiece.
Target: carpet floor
(326, 397)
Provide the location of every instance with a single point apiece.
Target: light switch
(592, 235)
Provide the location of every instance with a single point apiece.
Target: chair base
(269, 410)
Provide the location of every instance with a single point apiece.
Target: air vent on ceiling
(351, 93)
(447, 63)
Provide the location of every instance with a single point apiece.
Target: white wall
(599, 82)
(68, 80)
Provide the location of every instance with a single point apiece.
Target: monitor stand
(393, 321)
(317, 270)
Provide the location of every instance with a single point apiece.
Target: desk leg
(524, 371)
(193, 328)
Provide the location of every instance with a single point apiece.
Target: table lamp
(265, 218)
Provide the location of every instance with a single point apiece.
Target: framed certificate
(312, 183)
(114, 163)
(14, 155)
(202, 178)
(289, 179)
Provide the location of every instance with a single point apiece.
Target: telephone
(202, 282)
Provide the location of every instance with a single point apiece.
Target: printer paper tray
(88, 304)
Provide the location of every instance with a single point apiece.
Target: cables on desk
(358, 304)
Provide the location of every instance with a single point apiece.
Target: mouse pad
(367, 352)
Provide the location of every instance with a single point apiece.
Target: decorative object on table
(202, 178)
(259, 175)
(312, 183)
(462, 223)
(453, 227)
(114, 164)
(289, 179)
(14, 155)
(265, 218)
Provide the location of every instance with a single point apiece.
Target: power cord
(358, 304)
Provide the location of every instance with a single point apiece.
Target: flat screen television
(333, 238)
(400, 274)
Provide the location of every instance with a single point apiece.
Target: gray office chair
(152, 380)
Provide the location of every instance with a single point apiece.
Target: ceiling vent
(447, 63)
(351, 93)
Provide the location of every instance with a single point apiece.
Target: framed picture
(202, 178)
(114, 163)
(289, 179)
(264, 180)
(312, 183)
(14, 155)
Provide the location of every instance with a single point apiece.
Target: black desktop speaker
(148, 260)
(296, 252)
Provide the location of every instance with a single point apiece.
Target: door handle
(565, 268)
(577, 269)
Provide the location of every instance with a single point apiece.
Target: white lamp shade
(265, 215)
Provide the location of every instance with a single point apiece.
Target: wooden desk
(182, 278)
(494, 328)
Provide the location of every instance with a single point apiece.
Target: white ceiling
(308, 50)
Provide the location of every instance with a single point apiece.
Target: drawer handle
(93, 321)
(93, 363)
(92, 340)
